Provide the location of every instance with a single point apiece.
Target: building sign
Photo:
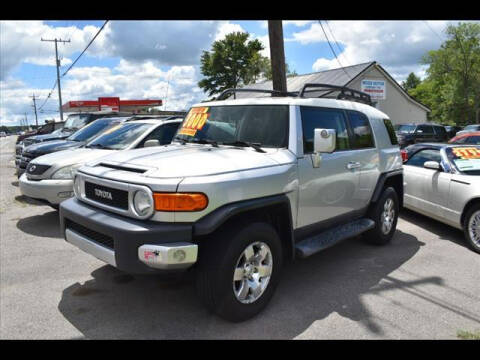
(374, 88)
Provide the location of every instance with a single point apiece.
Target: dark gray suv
(408, 134)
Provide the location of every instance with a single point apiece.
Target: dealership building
(386, 94)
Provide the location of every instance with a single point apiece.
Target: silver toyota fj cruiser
(246, 185)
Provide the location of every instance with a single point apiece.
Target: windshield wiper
(197, 141)
(255, 146)
(99, 146)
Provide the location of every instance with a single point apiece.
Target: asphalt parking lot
(424, 285)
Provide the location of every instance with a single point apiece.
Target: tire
(377, 235)
(473, 212)
(218, 258)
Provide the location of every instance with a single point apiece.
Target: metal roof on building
(340, 77)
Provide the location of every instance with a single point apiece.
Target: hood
(70, 157)
(176, 161)
(51, 146)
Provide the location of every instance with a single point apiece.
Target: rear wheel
(385, 214)
(238, 270)
(472, 228)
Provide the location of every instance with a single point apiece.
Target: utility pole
(35, 108)
(277, 55)
(58, 72)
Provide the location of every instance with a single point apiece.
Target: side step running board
(323, 240)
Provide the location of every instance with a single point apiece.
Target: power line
(48, 96)
(336, 43)
(91, 41)
(333, 51)
(426, 23)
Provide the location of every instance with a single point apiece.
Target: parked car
(73, 123)
(442, 181)
(76, 140)
(47, 128)
(49, 178)
(3, 134)
(408, 134)
(467, 138)
(245, 185)
(469, 128)
(452, 130)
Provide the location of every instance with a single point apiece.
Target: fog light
(179, 255)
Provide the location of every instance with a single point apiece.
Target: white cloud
(397, 45)
(128, 80)
(227, 28)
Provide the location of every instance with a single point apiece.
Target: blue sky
(150, 59)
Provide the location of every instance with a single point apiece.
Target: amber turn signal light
(180, 201)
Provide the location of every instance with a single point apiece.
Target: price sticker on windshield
(467, 153)
(195, 120)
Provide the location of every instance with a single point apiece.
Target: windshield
(119, 137)
(91, 130)
(405, 128)
(76, 121)
(266, 125)
(465, 159)
(472, 127)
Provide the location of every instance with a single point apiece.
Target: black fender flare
(212, 221)
(381, 182)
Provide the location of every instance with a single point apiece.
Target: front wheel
(385, 214)
(238, 270)
(472, 228)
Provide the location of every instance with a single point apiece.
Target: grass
(467, 335)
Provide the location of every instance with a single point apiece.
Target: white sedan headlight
(143, 203)
(66, 173)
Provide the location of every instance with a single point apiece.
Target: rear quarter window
(390, 131)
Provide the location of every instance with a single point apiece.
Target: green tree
(454, 75)
(232, 62)
(411, 82)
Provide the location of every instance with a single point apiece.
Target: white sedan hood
(71, 157)
(177, 161)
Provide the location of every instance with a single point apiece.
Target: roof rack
(226, 92)
(345, 92)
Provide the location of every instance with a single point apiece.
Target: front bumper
(133, 246)
(53, 191)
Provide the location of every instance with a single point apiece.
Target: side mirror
(432, 165)
(152, 142)
(324, 140)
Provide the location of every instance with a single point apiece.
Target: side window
(164, 134)
(422, 156)
(391, 131)
(362, 133)
(319, 118)
(425, 129)
(473, 140)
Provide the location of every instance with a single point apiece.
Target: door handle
(353, 165)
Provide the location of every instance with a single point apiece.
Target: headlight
(142, 203)
(67, 172)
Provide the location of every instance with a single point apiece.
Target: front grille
(106, 195)
(37, 169)
(92, 235)
(18, 150)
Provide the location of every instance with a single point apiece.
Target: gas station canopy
(110, 104)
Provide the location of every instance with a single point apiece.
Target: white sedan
(443, 182)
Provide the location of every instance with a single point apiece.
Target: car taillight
(404, 155)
